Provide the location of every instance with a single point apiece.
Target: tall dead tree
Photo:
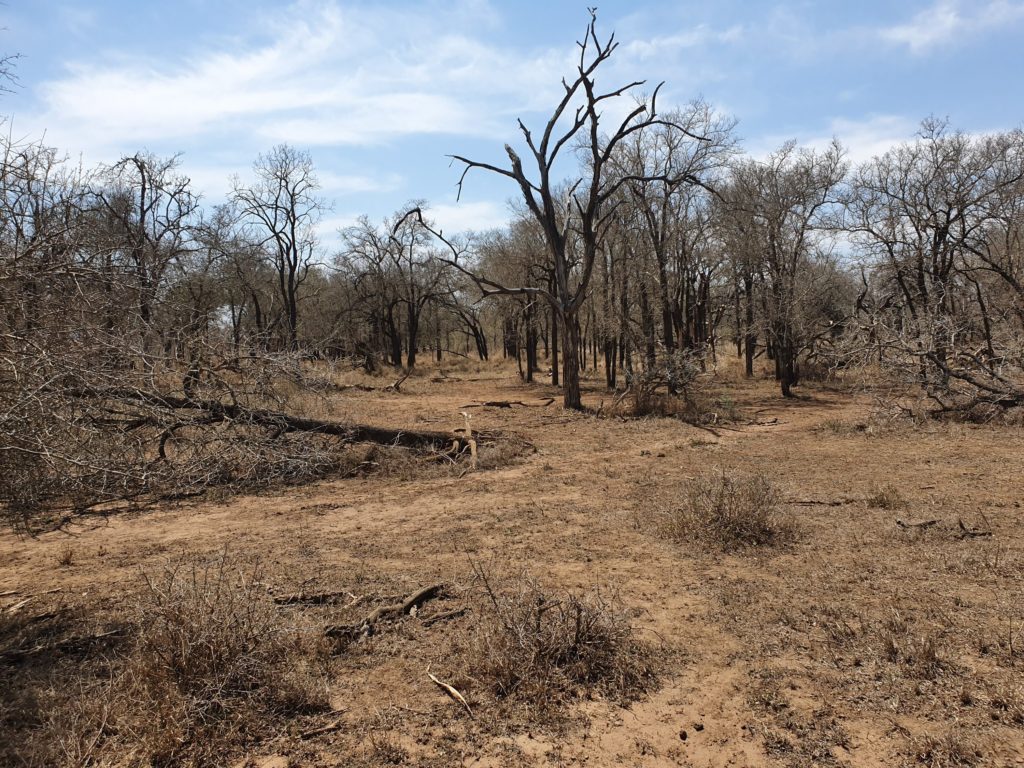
(575, 223)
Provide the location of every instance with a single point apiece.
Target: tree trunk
(571, 395)
(554, 349)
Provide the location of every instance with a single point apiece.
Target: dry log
(971, 533)
(397, 386)
(509, 404)
(916, 526)
(365, 626)
(444, 616)
(215, 411)
(312, 598)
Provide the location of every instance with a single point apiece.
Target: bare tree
(282, 209)
(939, 224)
(574, 223)
(780, 206)
(148, 209)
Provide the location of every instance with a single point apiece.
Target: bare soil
(861, 643)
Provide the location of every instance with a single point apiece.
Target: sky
(380, 93)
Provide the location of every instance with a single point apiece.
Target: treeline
(912, 260)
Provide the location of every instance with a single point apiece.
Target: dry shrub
(675, 386)
(951, 750)
(212, 662)
(919, 650)
(731, 513)
(502, 451)
(886, 497)
(52, 666)
(542, 648)
(1006, 702)
(844, 428)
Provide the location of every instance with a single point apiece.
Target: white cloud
(870, 137)
(325, 74)
(659, 46)
(477, 216)
(948, 22)
(862, 139)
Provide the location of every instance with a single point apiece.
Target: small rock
(682, 736)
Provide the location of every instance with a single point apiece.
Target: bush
(886, 497)
(213, 658)
(731, 513)
(532, 646)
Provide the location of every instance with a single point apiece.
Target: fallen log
(415, 600)
(971, 533)
(215, 412)
(397, 386)
(509, 404)
(924, 524)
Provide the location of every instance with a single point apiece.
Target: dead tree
(574, 224)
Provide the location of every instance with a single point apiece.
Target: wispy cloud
(949, 22)
(325, 74)
(476, 216)
(862, 138)
(660, 45)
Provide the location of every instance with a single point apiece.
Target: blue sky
(380, 92)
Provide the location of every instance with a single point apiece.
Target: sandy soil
(775, 658)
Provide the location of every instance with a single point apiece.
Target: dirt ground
(861, 644)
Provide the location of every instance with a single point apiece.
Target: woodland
(208, 393)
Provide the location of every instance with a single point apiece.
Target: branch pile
(86, 427)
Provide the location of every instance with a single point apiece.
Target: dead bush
(673, 386)
(954, 749)
(918, 649)
(886, 497)
(1006, 702)
(730, 513)
(544, 648)
(212, 661)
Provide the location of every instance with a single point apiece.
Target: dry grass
(730, 513)
(212, 660)
(954, 749)
(206, 666)
(542, 648)
(886, 496)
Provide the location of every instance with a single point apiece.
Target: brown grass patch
(730, 513)
(545, 648)
(886, 496)
(207, 665)
(953, 749)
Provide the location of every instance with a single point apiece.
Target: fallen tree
(86, 428)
